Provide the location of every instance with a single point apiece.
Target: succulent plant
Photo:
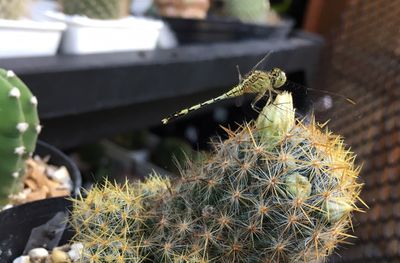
(97, 9)
(248, 11)
(19, 129)
(276, 190)
(109, 216)
(12, 9)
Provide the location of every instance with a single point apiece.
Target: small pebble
(60, 175)
(38, 255)
(58, 256)
(22, 259)
(76, 251)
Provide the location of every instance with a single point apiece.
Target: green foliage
(268, 193)
(19, 129)
(97, 9)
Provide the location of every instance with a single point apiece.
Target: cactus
(19, 129)
(276, 190)
(12, 9)
(254, 11)
(109, 215)
(97, 9)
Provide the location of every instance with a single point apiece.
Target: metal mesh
(364, 64)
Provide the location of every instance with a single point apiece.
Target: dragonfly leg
(257, 99)
(257, 109)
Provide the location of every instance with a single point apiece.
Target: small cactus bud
(298, 185)
(337, 208)
(277, 118)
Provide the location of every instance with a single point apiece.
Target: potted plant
(195, 9)
(92, 22)
(22, 36)
(276, 190)
(25, 177)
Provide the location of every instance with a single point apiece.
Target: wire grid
(364, 64)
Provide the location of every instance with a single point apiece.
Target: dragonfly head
(278, 77)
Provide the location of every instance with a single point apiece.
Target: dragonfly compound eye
(280, 77)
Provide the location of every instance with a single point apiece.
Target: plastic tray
(220, 30)
(27, 38)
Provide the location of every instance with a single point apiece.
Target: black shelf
(83, 98)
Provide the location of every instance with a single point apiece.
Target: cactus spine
(275, 191)
(19, 129)
(97, 9)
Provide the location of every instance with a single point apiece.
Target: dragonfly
(255, 82)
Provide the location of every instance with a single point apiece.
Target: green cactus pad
(19, 130)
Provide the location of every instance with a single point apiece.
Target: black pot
(216, 29)
(17, 223)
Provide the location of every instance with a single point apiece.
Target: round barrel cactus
(276, 190)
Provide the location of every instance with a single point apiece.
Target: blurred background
(107, 71)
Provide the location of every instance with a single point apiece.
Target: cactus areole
(276, 190)
(19, 129)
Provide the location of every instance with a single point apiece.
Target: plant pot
(23, 38)
(222, 30)
(18, 222)
(85, 35)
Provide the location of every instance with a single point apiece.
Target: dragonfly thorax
(256, 81)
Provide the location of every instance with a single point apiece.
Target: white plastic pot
(25, 38)
(85, 35)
